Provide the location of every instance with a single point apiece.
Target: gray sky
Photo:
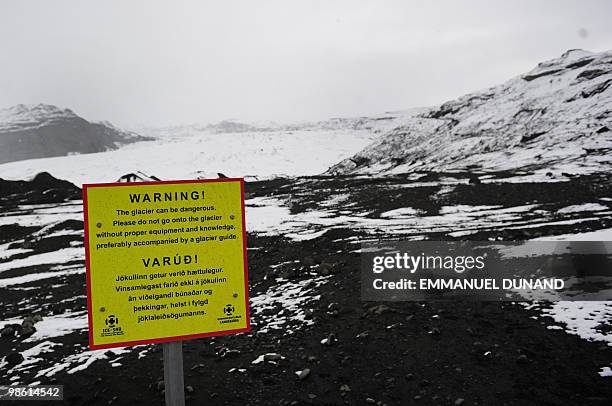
(171, 62)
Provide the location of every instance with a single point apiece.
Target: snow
(56, 326)
(292, 298)
(264, 214)
(14, 320)
(599, 235)
(375, 124)
(579, 317)
(82, 360)
(55, 257)
(550, 246)
(5, 252)
(252, 154)
(30, 355)
(582, 318)
(43, 215)
(464, 208)
(59, 325)
(261, 358)
(544, 125)
(24, 116)
(271, 216)
(579, 208)
(52, 327)
(32, 277)
(401, 213)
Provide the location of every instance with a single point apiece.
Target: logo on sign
(229, 309)
(111, 321)
(228, 315)
(112, 327)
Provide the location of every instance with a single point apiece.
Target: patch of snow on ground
(582, 318)
(401, 213)
(579, 208)
(29, 218)
(291, 298)
(5, 252)
(599, 235)
(30, 355)
(82, 360)
(264, 215)
(55, 257)
(270, 216)
(32, 277)
(58, 325)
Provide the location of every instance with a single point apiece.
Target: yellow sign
(166, 261)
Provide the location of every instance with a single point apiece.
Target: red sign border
(92, 346)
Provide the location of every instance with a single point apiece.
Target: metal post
(173, 374)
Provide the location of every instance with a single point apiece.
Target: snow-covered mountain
(189, 152)
(254, 155)
(557, 117)
(376, 124)
(45, 130)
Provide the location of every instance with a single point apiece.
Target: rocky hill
(557, 117)
(44, 130)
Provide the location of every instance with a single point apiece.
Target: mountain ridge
(558, 115)
(44, 130)
(376, 124)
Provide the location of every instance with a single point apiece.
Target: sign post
(166, 262)
(173, 374)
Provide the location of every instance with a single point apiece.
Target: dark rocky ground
(470, 353)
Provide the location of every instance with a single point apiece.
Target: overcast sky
(173, 62)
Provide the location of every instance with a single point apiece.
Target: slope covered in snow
(44, 130)
(255, 151)
(375, 124)
(254, 155)
(557, 117)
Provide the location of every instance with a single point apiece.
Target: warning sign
(165, 261)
